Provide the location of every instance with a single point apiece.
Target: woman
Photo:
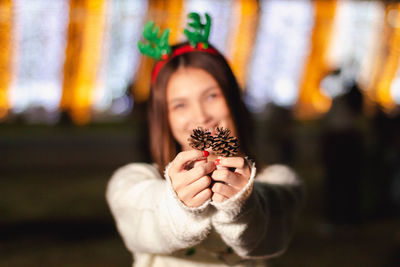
(191, 208)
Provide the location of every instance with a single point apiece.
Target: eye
(212, 96)
(178, 106)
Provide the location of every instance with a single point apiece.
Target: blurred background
(321, 78)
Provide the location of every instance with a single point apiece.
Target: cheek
(177, 122)
(223, 114)
(219, 109)
(179, 125)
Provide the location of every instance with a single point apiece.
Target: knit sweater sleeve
(149, 216)
(258, 220)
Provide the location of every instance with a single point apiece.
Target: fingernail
(217, 161)
(205, 153)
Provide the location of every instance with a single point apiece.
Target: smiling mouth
(213, 130)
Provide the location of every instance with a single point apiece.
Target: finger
(189, 191)
(184, 179)
(199, 171)
(224, 190)
(184, 157)
(199, 162)
(233, 162)
(218, 198)
(200, 198)
(228, 177)
(240, 164)
(219, 167)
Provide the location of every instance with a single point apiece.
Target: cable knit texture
(159, 229)
(231, 207)
(191, 210)
(259, 224)
(148, 216)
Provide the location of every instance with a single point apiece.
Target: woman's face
(194, 99)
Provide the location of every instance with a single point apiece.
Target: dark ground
(53, 209)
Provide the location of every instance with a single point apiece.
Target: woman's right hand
(191, 186)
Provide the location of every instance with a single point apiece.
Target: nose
(200, 115)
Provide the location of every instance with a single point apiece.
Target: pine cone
(225, 145)
(200, 139)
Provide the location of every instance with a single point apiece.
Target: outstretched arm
(149, 215)
(258, 220)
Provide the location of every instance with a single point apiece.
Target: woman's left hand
(227, 182)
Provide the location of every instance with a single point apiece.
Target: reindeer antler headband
(159, 48)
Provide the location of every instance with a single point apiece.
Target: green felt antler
(200, 31)
(156, 47)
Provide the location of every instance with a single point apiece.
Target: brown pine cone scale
(222, 144)
(225, 145)
(200, 139)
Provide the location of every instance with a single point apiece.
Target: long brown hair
(163, 146)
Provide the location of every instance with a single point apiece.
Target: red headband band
(179, 51)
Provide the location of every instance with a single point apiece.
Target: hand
(191, 186)
(228, 183)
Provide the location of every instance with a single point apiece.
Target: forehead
(187, 82)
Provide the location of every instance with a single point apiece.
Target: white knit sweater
(244, 230)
